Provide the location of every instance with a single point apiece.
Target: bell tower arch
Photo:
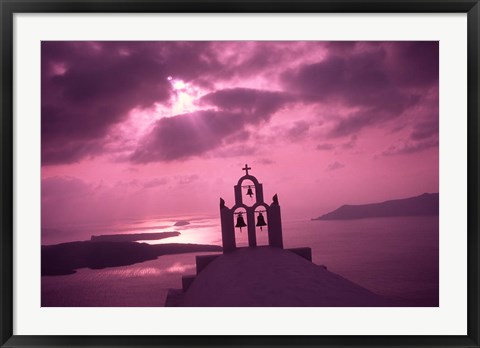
(272, 210)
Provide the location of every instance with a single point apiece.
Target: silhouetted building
(232, 218)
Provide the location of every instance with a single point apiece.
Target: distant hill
(426, 204)
(181, 223)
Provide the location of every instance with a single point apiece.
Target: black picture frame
(10, 7)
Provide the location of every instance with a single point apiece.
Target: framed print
(258, 174)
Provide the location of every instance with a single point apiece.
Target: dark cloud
(252, 103)
(89, 86)
(347, 145)
(423, 130)
(122, 184)
(265, 161)
(240, 136)
(196, 133)
(356, 121)
(298, 130)
(250, 58)
(409, 147)
(366, 80)
(187, 135)
(260, 58)
(427, 127)
(155, 182)
(358, 79)
(415, 63)
(325, 146)
(335, 166)
(351, 143)
(340, 47)
(72, 151)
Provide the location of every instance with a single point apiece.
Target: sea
(396, 257)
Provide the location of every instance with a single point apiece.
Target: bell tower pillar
(228, 231)
(252, 237)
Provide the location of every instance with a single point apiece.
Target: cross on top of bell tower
(246, 168)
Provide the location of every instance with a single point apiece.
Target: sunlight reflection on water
(198, 231)
(177, 267)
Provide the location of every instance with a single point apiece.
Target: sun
(179, 84)
(184, 96)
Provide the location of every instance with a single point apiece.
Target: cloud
(414, 63)
(346, 145)
(186, 179)
(194, 134)
(369, 79)
(256, 57)
(409, 147)
(356, 79)
(87, 87)
(325, 146)
(354, 122)
(240, 136)
(335, 166)
(253, 103)
(55, 152)
(245, 59)
(351, 143)
(425, 130)
(187, 135)
(298, 130)
(155, 182)
(340, 47)
(123, 184)
(265, 161)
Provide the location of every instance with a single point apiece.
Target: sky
(141, 129)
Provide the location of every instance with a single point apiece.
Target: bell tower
(272, 211)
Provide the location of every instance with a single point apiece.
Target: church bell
(249, 191)
(240, 222)
(261, 221)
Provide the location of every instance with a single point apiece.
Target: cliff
(132, 237)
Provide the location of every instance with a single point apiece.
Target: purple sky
(135, 129)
